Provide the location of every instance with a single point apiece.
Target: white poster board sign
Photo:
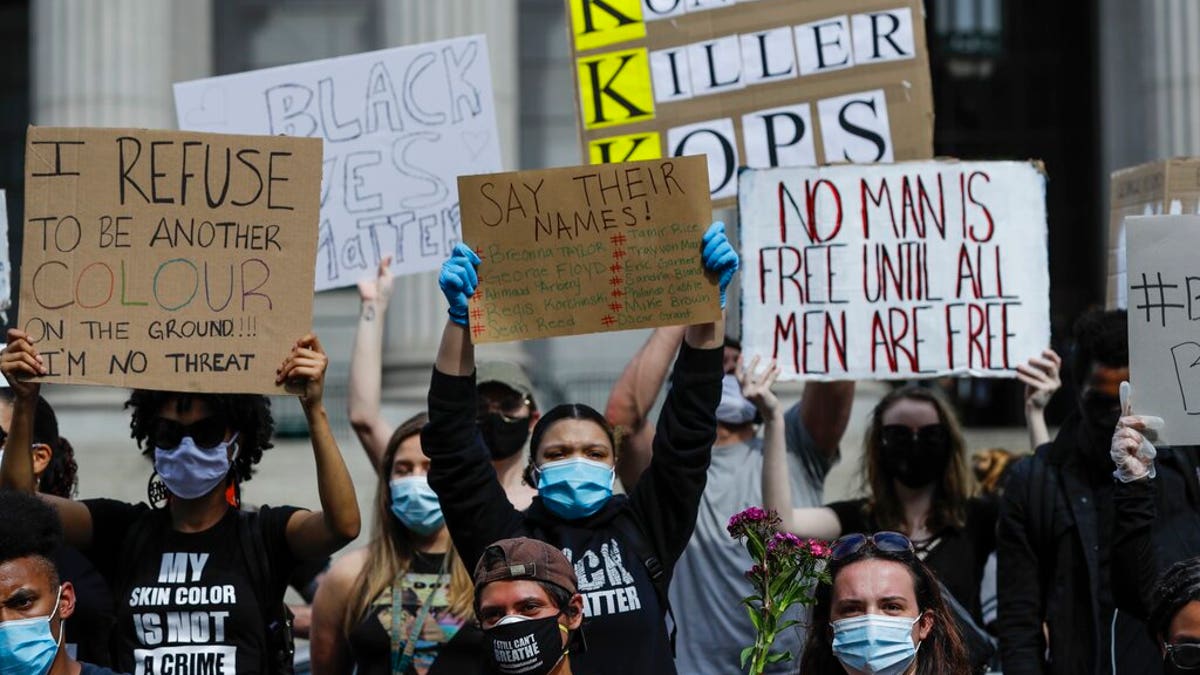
(1164, 303)
(895, 271)
(399, 125)
(5, 265)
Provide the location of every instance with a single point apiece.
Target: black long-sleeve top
(624, 625)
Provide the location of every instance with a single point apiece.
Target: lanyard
(402, 659)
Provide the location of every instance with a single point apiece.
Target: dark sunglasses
(509, 406)
(1185, 656)
(207, 433)
(899, 436)
(888, 542)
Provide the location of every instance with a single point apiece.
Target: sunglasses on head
(1185, 656)
(888, 542)
(207, 433)
(899, 436)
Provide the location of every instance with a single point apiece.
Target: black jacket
(625, 627)
(1157, 524)
(1050, 547)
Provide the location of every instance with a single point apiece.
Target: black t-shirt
(89, 669)
(447, 644)
(957, 556)
(186, 604)
(89, 630)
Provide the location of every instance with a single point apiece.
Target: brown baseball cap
(506, 373)
(523, 558)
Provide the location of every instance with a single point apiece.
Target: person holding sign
(507, 411)
(199, 583)
(626, 546)
(402, 604)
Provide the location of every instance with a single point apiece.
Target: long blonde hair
(392, 546)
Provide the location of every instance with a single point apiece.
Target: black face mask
(529, 647)
(1100, 413)
(917, 457)
(504, 437)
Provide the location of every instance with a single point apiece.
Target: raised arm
(633, 396)
(825, 413)
(19, 362)
(366, 364)
(1136, 563)
(476, 509)
(317, 534)
(1041, 378)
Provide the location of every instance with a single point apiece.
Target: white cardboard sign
(1163, 287)
(399, 125)
(895, 271)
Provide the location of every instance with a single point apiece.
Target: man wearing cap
(528, 604)
(710, 576)
(507, 411)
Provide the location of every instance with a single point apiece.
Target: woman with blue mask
(623, 548)
(881, 614)
(198, 582)
(403, 603)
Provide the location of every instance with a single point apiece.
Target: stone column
(418, 312)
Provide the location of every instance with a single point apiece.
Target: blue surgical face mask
(190, 471)
(27, 646)
(416, 505)
(875, 643)
(575, 488)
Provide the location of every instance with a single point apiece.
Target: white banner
(400, 125)
(895, 271)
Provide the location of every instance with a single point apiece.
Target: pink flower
(751, 517)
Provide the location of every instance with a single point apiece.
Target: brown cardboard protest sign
(588, 249)
(758, 83)
(1168, 187)
(168, 260)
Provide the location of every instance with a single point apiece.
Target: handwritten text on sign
(895, 271)
(168, 260)
(589, 249)
(1164, 304)
(399, 125)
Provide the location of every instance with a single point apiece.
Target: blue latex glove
(458, 281)
(719, 256)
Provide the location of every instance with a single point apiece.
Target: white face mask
(189, 471)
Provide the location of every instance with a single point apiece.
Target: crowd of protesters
(508, 539)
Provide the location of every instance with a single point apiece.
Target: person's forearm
(776, 488)
(334, 486)
(706, 335)
(825, 412)
(1035, 420)
(634, 392)
(16, 469)
(456, 354)
(366, 379)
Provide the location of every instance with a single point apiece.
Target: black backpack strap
(632, 534)
(276, 616)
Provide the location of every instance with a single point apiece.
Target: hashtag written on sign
(1146, 287)
(476, 314)
(617, 239)
(616, 306)
(617, 293)
(615, 281)
(477, 329)
(616, 267)
(608, 321)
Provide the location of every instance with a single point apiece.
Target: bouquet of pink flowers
(786, 572)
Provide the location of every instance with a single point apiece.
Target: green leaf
(755, 618)
(776, 657)
(746, 655)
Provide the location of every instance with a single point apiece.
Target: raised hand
(1041, 378)
(303, 371)
(1132, 450)
(21, 361)
(756, 386)
(379, 288)
(458, 281)
(719, 257)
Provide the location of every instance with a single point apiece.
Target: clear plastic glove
(1132, 448)
(719, 256)
(458, 281)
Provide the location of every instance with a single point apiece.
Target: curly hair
(61, 476)
(29, 528)
(1101, 337)
(942, 652)
(1178, 586)
(247, 414)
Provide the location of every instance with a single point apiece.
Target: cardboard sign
(5, 266)
(589, 249)
(898, 271)
(759, 83)
(399, 126)
(1169, 187)
(168, 260)
(1164, 302)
